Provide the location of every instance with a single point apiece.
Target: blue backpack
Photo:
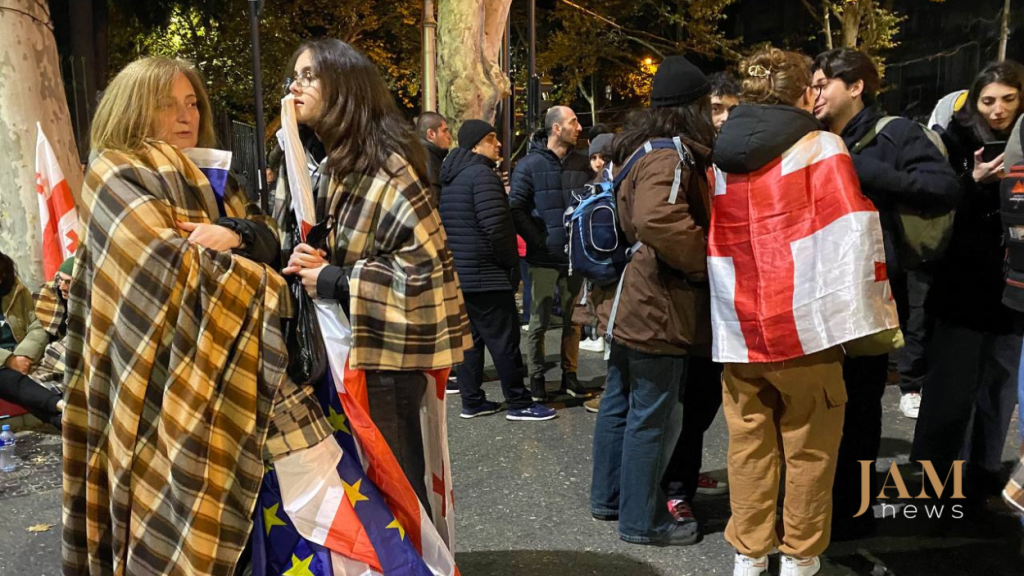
(597, 247)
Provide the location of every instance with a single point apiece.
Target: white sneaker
(595, 345)
(799, 566)
(910, 404)
(747, 566)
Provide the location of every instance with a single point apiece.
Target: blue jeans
(637, 427)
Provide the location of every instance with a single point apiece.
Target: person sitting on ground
(22, 343)
(475, 213)
(663, 313)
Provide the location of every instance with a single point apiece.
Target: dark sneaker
(452, 387)
(681, 511)
(538, 389)
(679, 535)
(535, 412)
(605, 517)
(484, 409)
(571, 384)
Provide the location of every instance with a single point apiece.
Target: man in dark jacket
(476, 217)
(543, 184)
(900, 167)
(436, 138)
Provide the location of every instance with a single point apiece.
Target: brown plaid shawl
(406, 307)
(51, 310)
(175, 379)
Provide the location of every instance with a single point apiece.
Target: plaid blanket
(175, 378)
(51, 310)
(406, 306)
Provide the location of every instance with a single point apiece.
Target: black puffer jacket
(968, 286)
(901, 166)
(476, 217)
(542, 188)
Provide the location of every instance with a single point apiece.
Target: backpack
(597, 247)
(925, 236)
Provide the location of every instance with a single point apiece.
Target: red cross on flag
(796, 258)
(57, 213)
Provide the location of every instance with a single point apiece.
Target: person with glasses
(899, 168)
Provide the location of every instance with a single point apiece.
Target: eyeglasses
(305, 79)
(818, 90)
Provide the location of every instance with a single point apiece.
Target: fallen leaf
(40, 528)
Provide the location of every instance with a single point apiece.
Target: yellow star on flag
(270, 518)
(397, 526)
(338, 422)
(299, 567)
(352, 491)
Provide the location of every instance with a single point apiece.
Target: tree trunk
(31, 90)
(853, 12)
(827, 22)
(469, 78)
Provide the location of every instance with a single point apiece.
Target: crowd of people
(786, 239)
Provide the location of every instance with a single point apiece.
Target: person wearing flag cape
(376, 498)
(798, 279)
(177, 396)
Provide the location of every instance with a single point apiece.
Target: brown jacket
(665, 306)
(20, 314)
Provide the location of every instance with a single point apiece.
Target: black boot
(571, 384)
(538, 391)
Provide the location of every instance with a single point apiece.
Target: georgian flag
(57, 214)
(795, 256)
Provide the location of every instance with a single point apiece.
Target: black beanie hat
(678, 83)
(602, 145)
(472, 132)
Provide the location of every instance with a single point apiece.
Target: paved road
(521, 493)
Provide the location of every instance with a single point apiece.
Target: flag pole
(257, 79)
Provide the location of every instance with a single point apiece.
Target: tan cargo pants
(792, 410)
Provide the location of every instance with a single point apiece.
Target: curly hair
(774, 76)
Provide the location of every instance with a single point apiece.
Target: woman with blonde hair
(176, 385)
(793, 256)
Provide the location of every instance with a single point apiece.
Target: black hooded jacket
(969, 281)
(755, 135)
(542, 187)
(476, 217)
(435, 157)
(901, 166)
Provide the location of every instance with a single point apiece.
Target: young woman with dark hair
(662, 315)
(387, 259)
(22, 343)
(976, 345)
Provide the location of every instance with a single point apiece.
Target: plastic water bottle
(7, 442)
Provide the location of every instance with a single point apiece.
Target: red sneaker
(711, 487)
(681, 511)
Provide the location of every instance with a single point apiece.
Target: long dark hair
(1007, 72)
(693, 120)
(360, 125)
(8, 274)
